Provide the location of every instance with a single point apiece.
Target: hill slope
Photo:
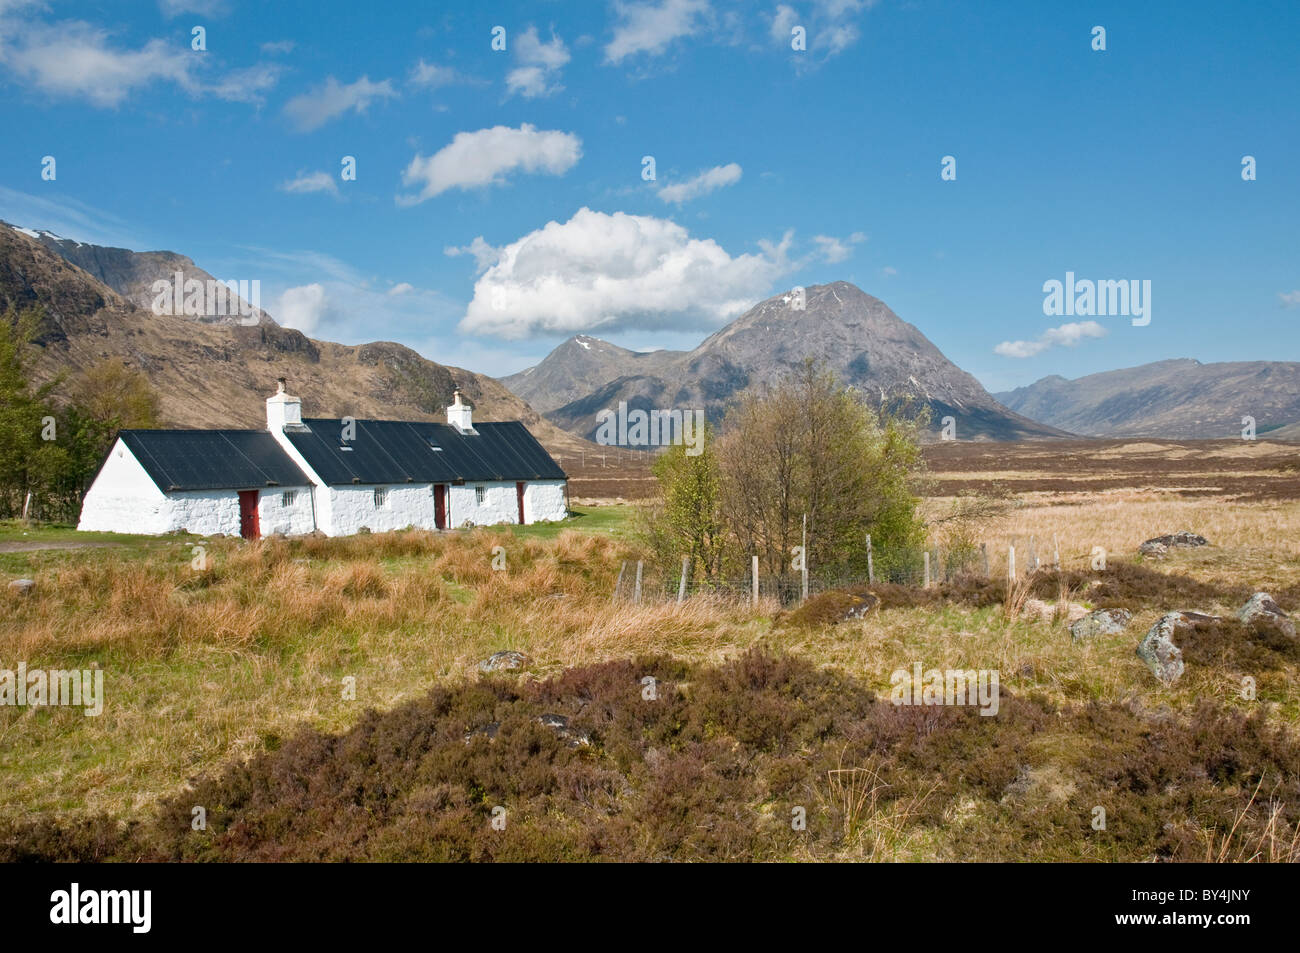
(1177, 399)
(856, 335)
(212, 375)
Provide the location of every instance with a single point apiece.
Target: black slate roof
(213, 459)
(394, 451)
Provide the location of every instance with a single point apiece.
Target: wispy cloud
(1289, 299)
(74, 59)
(538, 71)
(313, 109)
(836, 250)
(650, 28)
(311, 182)
(707, 181)
(1067, 335)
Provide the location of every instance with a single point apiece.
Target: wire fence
(644, 582)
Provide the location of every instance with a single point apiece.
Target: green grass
(615, 521)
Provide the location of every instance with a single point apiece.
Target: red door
(249, 527)
(519, 495)
(439, 506)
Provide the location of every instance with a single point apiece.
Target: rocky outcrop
(1101, 622)
(1262, 610)
(1159, 546)
(1158, 651)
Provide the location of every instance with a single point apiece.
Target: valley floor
(323, 699)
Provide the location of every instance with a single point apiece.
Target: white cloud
(302, 308)
(1289, 299)
(485, 256)
(313, 109)
(601, 271)
(279, 46)
(487, 157)
(76, 59)
(401, 289)
(889, 271)
(207, 8)
(783, 21)
(311, 182)
(649, 27)
(538, 72)
(708, 181)
(1067, 335)
(433, 76)
(246, 85)
(836, 250)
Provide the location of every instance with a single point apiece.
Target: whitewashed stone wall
(544, 501)
(123, 498)
(274, 517)
(352, 507)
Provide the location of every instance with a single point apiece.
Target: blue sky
(499, 204)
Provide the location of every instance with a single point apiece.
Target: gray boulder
(22, 586)
(1101, 622)
(1158, 651)
(1158, 546)
(1262, 609)
(504, 661)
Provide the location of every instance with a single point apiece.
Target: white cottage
(336, 476)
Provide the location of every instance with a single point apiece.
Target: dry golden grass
(205, 667)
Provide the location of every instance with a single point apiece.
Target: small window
(480, 495)
(381, 496)
(287, 498)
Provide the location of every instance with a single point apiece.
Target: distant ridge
(1177, 399)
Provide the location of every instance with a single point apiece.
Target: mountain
(132, 275)
(1175, 399)
(219, 375)
(855, 335)
(565, 375)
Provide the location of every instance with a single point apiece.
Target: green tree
(685, 519)
(809, 447)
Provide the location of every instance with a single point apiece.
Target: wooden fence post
(984, 554)
(755, 571)
(1032, 563)
(637, 600)
(803, 572)
(1011, 563)
(1056, 553)
(871, 569)
(621, 570)
(681, 586)
(925, 580)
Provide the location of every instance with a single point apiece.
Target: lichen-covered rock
(504, 661)
(22, 586)
(1158, 546)
(1158, 651)
(560, 725)
(1261, 608)
(1101, 622)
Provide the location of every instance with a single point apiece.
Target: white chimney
(459, 415)
(282, 410)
